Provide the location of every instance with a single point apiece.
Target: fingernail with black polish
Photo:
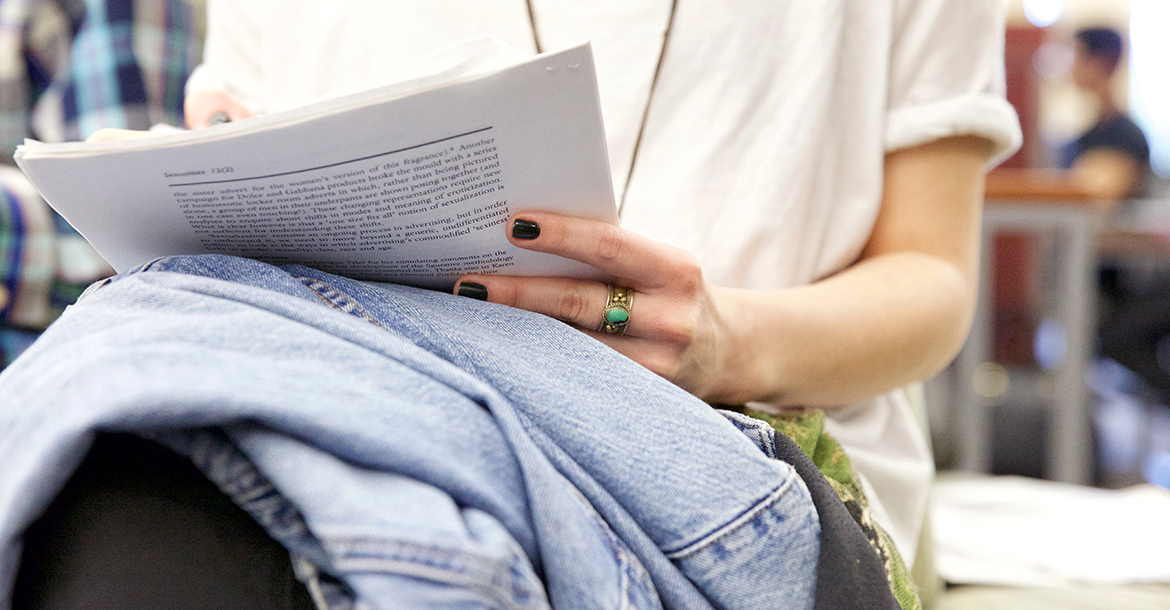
(472, 290)
(525, 229)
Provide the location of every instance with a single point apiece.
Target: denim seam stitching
(473, 574)
(408, 568)
(102, 283)
(146, 266)
(314, 284)
(744, 422)
(732, 526)
(625, 581)
(94, 287)
(766, 434)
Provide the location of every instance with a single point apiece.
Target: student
(1107, 164)
(801, 185)
(1112, 158)
(800, 226)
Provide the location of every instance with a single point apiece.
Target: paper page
(413, 190)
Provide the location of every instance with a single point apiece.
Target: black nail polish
(472, 290)
(525, 229)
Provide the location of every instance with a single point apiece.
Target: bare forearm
(896, 316)
(884, 322)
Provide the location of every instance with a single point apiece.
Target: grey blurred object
(983, 384)
(218, 119)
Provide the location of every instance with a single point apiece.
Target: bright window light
(1149, 86)
(1043, 13)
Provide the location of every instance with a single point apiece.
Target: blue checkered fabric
(71, 67)
(129, 63)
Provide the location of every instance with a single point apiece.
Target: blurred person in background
(1112, 158)
(1108, 163)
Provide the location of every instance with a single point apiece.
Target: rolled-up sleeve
(947, 75)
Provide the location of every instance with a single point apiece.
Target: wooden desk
(1075, 221)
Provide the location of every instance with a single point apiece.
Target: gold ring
(618, 309)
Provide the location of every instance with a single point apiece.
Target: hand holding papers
(409, 183)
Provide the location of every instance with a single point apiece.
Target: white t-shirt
(763, 148)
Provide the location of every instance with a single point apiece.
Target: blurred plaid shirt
(67, 69)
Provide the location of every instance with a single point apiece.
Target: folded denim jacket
(423, 450)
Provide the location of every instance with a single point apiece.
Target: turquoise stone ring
(618, 308)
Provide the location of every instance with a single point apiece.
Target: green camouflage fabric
(807, 429)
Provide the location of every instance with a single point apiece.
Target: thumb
(202, 104)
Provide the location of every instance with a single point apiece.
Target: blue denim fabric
(423, 449)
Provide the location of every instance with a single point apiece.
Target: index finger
(611, 249)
